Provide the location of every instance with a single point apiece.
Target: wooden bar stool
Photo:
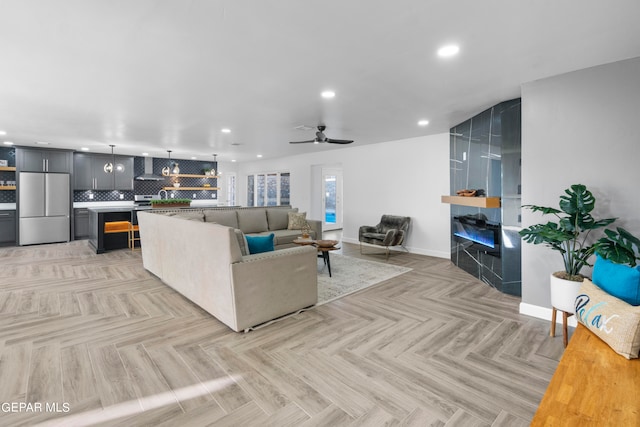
(133, 229)
(123, 227)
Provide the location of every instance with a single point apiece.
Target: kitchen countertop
(7, 206)
(102, 204)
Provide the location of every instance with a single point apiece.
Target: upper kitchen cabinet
(123, 173)
(38, 160)
(90, 174)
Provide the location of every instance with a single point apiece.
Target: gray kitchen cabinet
(32, 160)
(81, 223)
(124, 177)
(7, 227)
(89, 173)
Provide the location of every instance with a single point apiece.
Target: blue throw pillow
(259, 244)
(619, 280)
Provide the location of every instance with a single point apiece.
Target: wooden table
(592, 386)
(322, 250)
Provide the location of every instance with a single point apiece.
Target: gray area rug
(352, 275)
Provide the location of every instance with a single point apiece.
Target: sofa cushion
(228, 218)
(619, 280)
(286, 237)
(259, 244)
(191, 216)
(297, 221)
(279, 218)
(611, 319)
(242, 241)
(252, 220)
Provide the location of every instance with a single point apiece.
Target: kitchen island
(102, 242)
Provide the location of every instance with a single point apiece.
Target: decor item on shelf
(170, 203)
(207, 185)
(569, 236)
(4, 162)
(470, 193)
(176, 184)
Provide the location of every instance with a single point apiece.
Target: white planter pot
(564, 293)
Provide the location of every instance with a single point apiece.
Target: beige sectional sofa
(252, 221)
(203, 261)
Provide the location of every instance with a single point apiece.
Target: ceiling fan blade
(338, 141)
(302, 142)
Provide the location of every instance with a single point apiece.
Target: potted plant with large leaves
(570, 236)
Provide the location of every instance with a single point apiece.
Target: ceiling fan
(321, 137)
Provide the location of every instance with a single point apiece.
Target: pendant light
(167, 169)
(108, 167)
(213, 171)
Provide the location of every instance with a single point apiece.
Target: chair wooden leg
(552, 332)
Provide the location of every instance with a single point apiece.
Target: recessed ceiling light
(145, 154)
(423, 122)
(328, 94)
(259, 155)
(2, 132)
(449, 50)
(225, 130)
(233, 160)
(42, 143)
(84, 149)
(8, 143)
(193, 158)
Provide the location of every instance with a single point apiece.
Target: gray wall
(580, 127)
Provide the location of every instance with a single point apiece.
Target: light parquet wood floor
(103, 342)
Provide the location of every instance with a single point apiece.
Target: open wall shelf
(189, 188)
(478, 202)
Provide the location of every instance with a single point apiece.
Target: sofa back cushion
(228, 218)
(259, 244)
(252, 220)
(190, 215)
(279, 218)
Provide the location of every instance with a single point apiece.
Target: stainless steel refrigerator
(43, 206)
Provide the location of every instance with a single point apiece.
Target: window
(268, 189)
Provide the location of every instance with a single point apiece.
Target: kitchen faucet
(166, 195)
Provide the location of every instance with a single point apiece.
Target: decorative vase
(564, 293)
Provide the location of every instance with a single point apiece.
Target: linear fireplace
(485, 155)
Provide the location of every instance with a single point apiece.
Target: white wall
(580, 127)
(405, 177)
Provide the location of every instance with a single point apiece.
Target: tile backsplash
(194, 167)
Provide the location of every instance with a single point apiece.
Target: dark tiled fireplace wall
(485, 154)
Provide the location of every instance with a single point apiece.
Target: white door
(331, 199)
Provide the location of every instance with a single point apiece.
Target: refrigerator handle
(44, 168)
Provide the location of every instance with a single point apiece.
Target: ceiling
(153, 75)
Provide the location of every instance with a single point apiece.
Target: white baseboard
(544, 313)
(437, 254)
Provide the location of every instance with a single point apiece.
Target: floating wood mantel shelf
(478, 202)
